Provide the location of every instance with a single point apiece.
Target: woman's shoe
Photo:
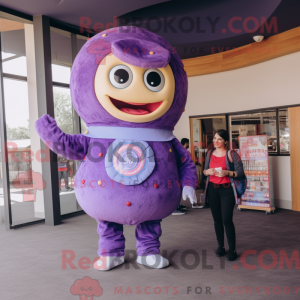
(220, 251)
(231, 256)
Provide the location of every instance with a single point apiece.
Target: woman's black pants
(222, 201)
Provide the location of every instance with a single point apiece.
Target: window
(261, 123)
(81, 40)
(25, 156)
(25, 177)
(83, 126)
(61, 51)
(273, 123)
(13, 47)
(284, 134)
(61, 73)
(14, 64)
(63, 109)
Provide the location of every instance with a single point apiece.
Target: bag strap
(230, 156)
(209, 154)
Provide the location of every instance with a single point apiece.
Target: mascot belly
(106, 199)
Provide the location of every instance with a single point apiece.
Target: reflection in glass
(61, 52)
(284, 132)
(83, 126)
(25, 184)
(15, 65)
(81, 40)
(263, 123)
(13, 47)
(66, 167)
(61, 73)
(63, 109)
(196, 140)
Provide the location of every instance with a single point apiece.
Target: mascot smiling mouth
(135, 108)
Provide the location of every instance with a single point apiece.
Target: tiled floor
(34, 261)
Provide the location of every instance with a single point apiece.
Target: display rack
(253, 151)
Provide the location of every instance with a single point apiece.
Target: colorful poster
(254, 155)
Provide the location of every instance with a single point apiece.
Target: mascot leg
(147, 236)
(111, 246)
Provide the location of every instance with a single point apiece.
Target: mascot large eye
(154, 80)
(120, 76)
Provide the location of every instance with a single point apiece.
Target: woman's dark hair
(224, 135)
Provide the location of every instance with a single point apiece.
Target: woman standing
(219, 190)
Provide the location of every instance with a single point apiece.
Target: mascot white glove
(189, 192)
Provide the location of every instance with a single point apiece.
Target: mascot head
(128, 77)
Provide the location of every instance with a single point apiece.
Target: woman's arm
(238, 164)
(228, 173)
(205, 172)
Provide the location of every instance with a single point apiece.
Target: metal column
(46, 106)
(4, 153)
(76, 118)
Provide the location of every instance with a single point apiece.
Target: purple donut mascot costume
(130, 88)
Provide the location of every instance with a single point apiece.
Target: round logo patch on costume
(129, 162)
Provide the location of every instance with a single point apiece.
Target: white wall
(281, 175)
(269, 84)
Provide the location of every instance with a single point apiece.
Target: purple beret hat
(131, 45)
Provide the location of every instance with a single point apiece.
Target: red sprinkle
(82, 181)
(100, 154)
(156, 185)
(128, 203)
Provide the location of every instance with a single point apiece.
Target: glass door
(22, 194)
(202, 130)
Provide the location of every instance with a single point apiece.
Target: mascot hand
(47, 129)
(45, 121)
(45, 126)
(189, 192)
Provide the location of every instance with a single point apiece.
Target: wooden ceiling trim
(9, 25)
(273, 47)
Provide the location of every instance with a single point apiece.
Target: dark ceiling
(194, 27)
